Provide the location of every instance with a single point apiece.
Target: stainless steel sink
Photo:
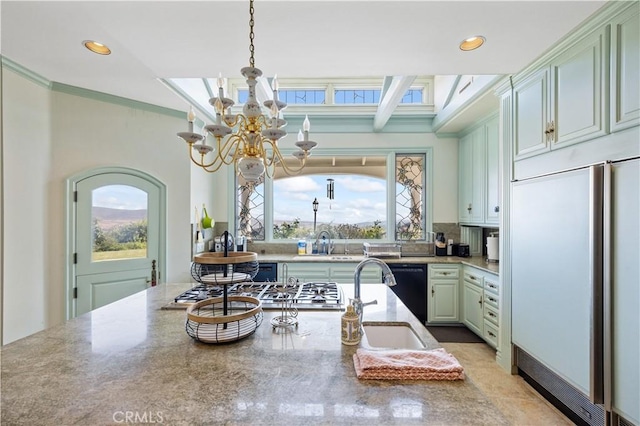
(390, 336)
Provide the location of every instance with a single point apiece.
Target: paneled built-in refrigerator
(575, 244)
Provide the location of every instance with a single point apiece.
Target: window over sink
(381, 197)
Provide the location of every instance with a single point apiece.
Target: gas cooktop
(304, 296)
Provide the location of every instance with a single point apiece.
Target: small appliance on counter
(225, 239)
(441, 244)
(463, 250)
(241, 243)
(493, 248)
(382, 250)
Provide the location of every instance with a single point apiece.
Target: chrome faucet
(329, 246)
(388, 279)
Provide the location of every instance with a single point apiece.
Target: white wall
(202, 192)
(27, 222)
(1, 210)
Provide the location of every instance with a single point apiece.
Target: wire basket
(216, 269)
(207, 322)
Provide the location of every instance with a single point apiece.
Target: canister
(493, 248)
(350, 326)
(302, 247)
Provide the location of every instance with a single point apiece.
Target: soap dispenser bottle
(350, 326)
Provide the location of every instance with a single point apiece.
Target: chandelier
(248, 140)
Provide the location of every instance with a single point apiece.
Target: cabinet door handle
(469, 208)
(551, 128)
(496, 209)
(547, 132)
(480, 301)
(433, 292)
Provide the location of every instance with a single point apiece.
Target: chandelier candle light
(251, 143)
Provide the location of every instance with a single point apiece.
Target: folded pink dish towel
(435, 364)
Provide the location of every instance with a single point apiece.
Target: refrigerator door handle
(596, 250)
(607, 301)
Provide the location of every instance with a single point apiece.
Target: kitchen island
(133, 362)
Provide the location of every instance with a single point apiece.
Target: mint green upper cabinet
(479, 174)
(465, 152)
(492, 205)
(625, 70)
(531, 106)
(563, 103)
(579, 88)
(472, 170)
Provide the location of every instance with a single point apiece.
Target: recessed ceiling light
(472, 43)
(96, 47)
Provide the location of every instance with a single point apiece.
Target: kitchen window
(382, 197)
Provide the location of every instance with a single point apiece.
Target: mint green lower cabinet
(342, 272)
(442, 294)
(472, 312)
(304, 272)
(443, 301)
(480, 303)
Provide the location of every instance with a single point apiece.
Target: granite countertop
(131, 360)
(475, 261)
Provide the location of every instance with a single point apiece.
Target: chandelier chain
(252, 147)
(251, 35)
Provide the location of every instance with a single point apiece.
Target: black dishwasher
(411, 287)
(267, 272)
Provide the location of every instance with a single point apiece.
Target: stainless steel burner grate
(304, 296)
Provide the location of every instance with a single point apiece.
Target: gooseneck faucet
(329, 246)
(388, 279)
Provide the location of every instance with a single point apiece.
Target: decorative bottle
(350, 326)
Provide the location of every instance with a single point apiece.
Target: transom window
(293, 96)
(357, 96)
(340, 96)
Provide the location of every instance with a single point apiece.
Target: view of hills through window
(358, 210)
(119, 222)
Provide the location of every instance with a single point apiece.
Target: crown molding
(113, 99)
(25, 73)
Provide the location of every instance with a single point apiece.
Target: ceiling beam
(390, 100)
(452, 91)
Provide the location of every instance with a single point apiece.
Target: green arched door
(117, 234)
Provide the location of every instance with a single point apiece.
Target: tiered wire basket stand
(228, 318)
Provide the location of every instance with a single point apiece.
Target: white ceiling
(170, 39)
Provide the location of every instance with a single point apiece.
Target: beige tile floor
(517, 401)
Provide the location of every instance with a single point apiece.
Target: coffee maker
(441, 244)
(225, 239)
